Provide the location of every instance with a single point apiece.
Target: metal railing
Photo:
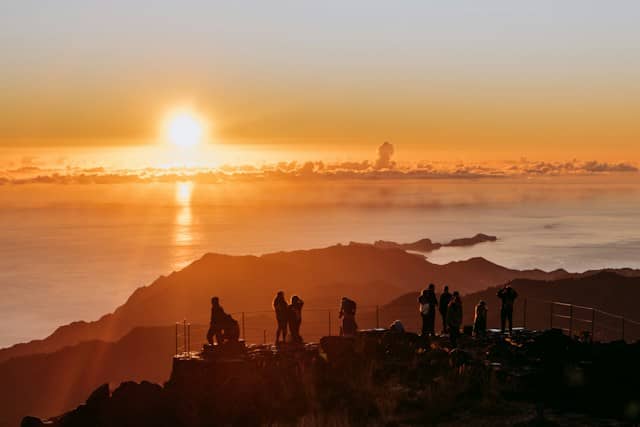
(183, 340)
(258, 327)
(575, 319)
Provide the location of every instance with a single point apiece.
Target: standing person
(454, 318)
(445, 299)
(428, 303)
(508, 296)
(348, 316)
(480, 321)
(282, 312)
(295, 318)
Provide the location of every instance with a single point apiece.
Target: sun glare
(184, 129)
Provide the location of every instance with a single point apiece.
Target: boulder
(31, 422)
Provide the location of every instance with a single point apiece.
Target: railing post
(184, 335)
(264, 336)
(189, 340)
(551, 315)
(176, 338)
(571, 320)
(244, 331)
(524, 320)
(329, 312)
(593, 325)
(622, 328)
(377, 317)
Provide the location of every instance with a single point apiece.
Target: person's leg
(219, 336)
(282, 330)
(503, 318)
(297, 336)
(423, 331)
(210, 336)
(292, 330)
(444, 321)
(510, 318)
(432, 322)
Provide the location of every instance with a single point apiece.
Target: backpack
(425, 308)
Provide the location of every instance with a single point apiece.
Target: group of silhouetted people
(289, 316)
(450, 308)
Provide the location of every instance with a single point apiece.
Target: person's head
(432, 287)
(215, 301)
(446, 289)
(482, 303)
(280, 294)
(295, 299)
(456, 295)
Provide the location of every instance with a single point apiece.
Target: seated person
(221, 326)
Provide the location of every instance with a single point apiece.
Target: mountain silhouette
(248, 283)
(45, 384)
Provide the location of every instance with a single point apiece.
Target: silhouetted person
(508, 296)
(480, 321)
(282, 316)
(428, 303)
(454, 318)
(348, 316)
(222, 326)
(231, 329)
(445, 299)
(295, 318)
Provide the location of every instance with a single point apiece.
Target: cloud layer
(384, 167)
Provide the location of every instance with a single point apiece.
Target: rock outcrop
(380, 378)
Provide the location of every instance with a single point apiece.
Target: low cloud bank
(384, 167)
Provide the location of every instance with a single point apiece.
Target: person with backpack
(508, 296)
(282, 316)
(348, 315)
(295, 318)
(428, 303)
(221, 325)
(454, 318)
(443, 305)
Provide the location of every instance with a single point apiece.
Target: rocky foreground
(383, 378)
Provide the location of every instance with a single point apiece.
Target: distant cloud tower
(385, 152)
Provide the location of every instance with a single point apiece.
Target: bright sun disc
(184, 129)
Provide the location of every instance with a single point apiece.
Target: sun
(184, 128)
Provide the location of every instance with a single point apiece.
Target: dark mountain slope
(248, 283)
(46, 384)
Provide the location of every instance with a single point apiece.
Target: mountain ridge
(248, 282)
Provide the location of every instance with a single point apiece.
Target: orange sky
(459, 82)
